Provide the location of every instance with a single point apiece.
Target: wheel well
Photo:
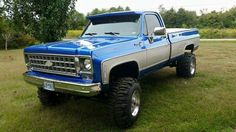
(190, 47)
(128, 69)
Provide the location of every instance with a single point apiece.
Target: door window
(151, 23)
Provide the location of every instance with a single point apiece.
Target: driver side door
(158, 47)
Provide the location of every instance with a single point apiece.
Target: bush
(73, 34)
(18, 40)
(217, 33)
(24, 40)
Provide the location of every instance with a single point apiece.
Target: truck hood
(83, 46)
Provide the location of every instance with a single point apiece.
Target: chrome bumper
(63, 86)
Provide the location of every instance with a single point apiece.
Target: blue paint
(116, 14)
(157, 67)
(152, 69)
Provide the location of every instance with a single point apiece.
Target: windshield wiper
(91, 34)
(112, 33)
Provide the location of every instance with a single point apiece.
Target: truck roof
(119, 13)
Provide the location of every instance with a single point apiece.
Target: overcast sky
(85, 6)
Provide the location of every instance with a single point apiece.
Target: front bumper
(91, 89)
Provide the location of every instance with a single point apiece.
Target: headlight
(87, 64)
(84, 64)
(86, 68)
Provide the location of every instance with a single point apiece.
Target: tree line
(24, 22)
(180, 18)
(184, 18)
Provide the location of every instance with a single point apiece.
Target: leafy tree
(229, 18)
(127, 8)
(112, 9)
(45, 20)
(6, 32)
(186, 18)
(76, 20)
(169, 17)
(97, 11)
(211, 20)
(180, 18)
(7, 35)
(1, 8)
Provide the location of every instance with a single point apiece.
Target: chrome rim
(192, 68)
(135, 103)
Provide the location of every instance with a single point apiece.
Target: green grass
(204, 103)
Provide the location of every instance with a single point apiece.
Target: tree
(180, 18)
(169, 16)
(112, 9)
(1, 7)
(211, 20)
(6, 36)
(186, 18)
(76, 20)
(229, 18)
(127, 8)
(44, 20)
(5, 31)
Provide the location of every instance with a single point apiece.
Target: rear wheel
(49, 98)
(186, 66)
(125, 101)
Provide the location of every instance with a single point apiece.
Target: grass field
(204, 103)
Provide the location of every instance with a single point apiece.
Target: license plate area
(48, 86)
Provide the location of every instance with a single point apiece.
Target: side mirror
(159, 31)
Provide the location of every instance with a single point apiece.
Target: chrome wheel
(192, 68)
(135, 103)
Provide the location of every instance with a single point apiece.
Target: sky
(85, 6)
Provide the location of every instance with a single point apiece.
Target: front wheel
(49, 98)
(186, 66)
(125, 101)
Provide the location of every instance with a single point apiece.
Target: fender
(108, 65)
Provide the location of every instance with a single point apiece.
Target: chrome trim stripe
(53, 72)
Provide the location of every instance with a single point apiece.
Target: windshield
(124, 25)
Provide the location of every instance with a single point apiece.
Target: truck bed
(180, 38)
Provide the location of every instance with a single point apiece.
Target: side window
(152, 22)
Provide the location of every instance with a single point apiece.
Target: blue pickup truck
(113, 52)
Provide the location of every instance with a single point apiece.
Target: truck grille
(56, 64)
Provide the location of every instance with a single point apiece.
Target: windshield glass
(124, 25)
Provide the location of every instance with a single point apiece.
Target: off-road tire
(49, 98)
(185, 66)
(121, 101)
